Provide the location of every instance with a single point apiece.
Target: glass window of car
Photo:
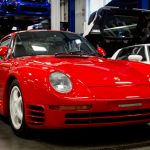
(50, 43)
(120, 26)
(5, 42)
(135, 50)
(141, 51)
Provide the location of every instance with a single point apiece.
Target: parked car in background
(27, 7)
(112, 28)
(21, 14)
(139, 52)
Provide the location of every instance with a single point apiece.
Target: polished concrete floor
(112, 138)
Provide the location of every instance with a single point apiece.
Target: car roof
(22, 31)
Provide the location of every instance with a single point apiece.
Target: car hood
(94, 71)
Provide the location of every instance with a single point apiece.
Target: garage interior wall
(55, 14)
(66, 11)
(83, 9)
(80, 6)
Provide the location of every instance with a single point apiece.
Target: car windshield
(51, 43)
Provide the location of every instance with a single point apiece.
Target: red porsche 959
(57, 80)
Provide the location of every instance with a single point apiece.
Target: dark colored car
(29, 7)
(115, 27)
(2, 7)
(21, 14)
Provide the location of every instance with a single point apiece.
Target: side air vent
(36, 115)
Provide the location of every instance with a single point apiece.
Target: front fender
(36, 88)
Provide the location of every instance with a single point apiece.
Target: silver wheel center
(16, 107)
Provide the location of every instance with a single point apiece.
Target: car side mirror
(101, 51)
(3, 50)
(135, 58)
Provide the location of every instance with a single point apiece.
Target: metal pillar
(71, 15)
(55, 14)
(144, 4)
(62, 10)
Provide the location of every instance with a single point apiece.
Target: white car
(139, 52)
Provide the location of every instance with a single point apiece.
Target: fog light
(70, 107)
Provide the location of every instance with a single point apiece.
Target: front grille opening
(11, 8)
(37, 114)
(103, 114)
(35, 123)
(32, 1)
(37, 119)
(107, 117)
(33, 9)
(107, 120)
(38, 108)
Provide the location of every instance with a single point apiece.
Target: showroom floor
(116, 138)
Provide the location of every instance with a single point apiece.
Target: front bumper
(102, 113)
(120, 105)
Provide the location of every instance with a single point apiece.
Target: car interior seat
(19, 50)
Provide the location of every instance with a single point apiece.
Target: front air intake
(36, 115)
(107, 117)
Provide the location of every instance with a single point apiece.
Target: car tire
(16, 110)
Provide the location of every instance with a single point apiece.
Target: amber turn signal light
(70, 107)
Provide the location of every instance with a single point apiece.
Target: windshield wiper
(78, 52)
(70, 55)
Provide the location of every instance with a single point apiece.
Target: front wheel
(16, 110)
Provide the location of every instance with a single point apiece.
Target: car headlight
(60, 82)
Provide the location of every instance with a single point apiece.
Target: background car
(57, 80)
(113, 28)
(20, 14)
(23, 7)
(134, 52)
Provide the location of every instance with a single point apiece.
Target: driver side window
(19, 49)
(6, 42)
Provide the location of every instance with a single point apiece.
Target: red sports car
(55, 79)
